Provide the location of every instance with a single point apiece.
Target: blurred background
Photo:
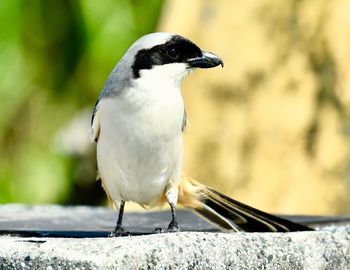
(271, 129)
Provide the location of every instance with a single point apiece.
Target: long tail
(229, 214)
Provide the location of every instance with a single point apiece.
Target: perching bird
(137, 124)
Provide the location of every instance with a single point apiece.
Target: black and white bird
(137, 124)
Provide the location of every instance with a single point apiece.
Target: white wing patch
(95, 124)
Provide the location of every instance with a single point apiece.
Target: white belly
(139, 149)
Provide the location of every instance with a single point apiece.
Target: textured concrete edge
(185, 250)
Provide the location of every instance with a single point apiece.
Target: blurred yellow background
(270, 129)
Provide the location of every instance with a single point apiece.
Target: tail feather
(229, 214)
(216, 218)
(249, 218)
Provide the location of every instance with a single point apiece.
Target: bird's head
(166, 50)
(162, 58)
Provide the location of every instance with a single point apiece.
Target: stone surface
(88, 220)
(326, 248)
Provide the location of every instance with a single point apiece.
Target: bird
(138, 123)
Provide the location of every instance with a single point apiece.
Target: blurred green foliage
(54, 59)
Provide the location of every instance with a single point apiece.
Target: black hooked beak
(206, 60)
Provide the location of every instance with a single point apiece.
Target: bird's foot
(119, 232)
(173, 227)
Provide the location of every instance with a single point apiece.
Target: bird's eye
(173, 52)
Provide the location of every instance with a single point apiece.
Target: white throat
(164, 76)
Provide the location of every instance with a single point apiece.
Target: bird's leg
(173, 225)
(172, 195)
(119, 230)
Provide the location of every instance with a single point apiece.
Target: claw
(159, 230)
(173, 226)
(119, 232)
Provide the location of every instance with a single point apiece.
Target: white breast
(140, 143)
